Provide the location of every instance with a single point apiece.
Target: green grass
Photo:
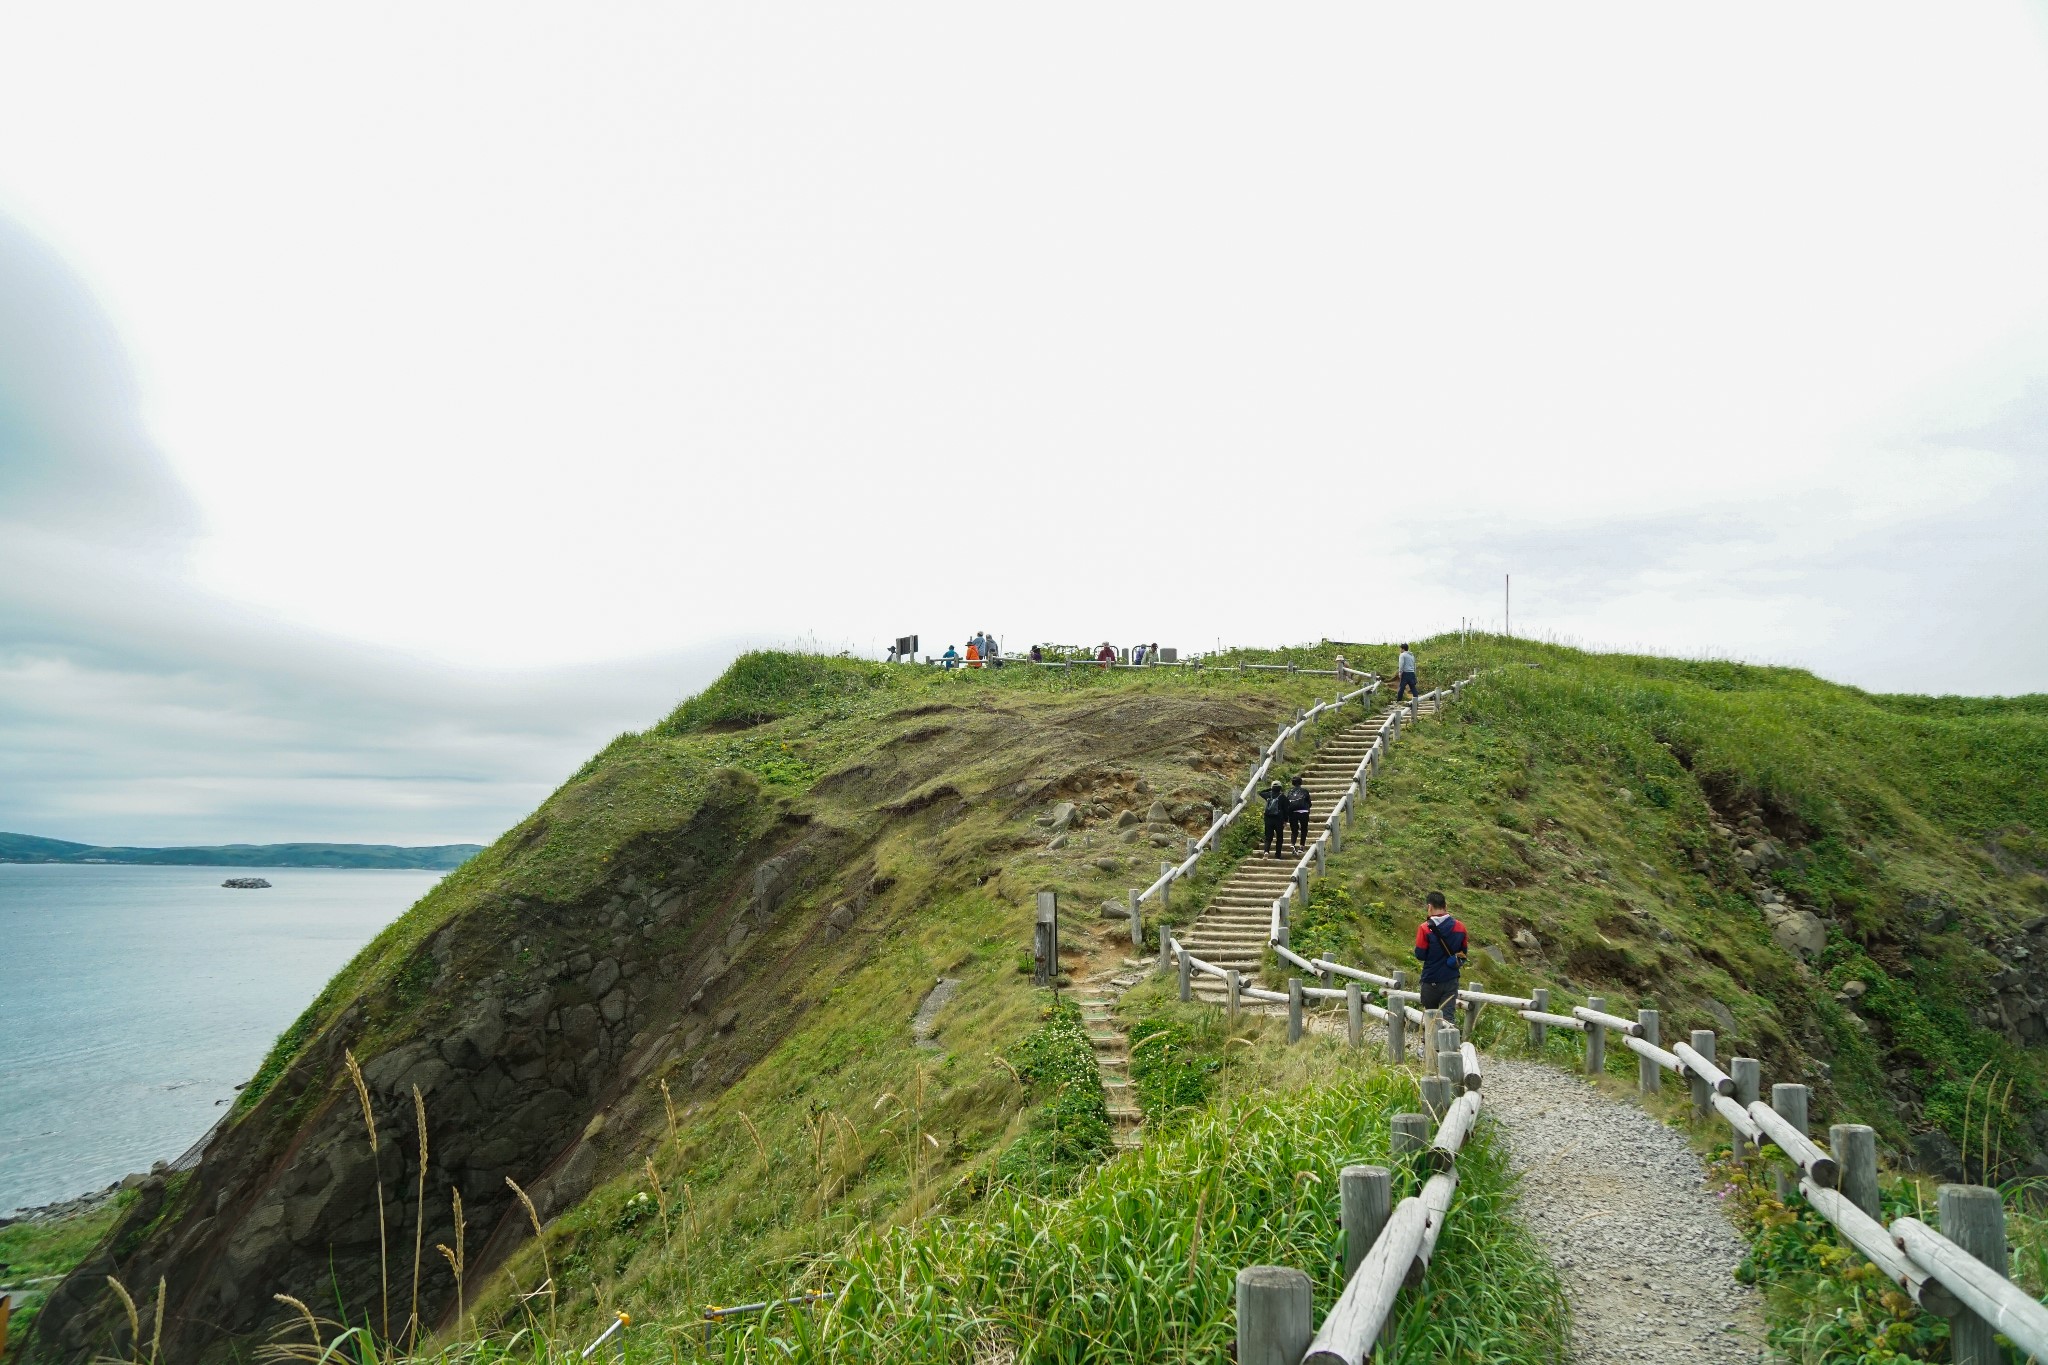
(1139, 1263)
(37, 1251)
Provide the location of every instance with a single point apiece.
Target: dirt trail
(1621, 1205)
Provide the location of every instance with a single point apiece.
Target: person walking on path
(1276, 820)
(1407, 687)
(1440, 944)
(1299, 799)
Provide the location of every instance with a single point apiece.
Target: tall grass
(1139, 1262)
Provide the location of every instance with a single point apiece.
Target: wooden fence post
(1748, 1075)
(1790, 1102)
(1233, 984)
(1411, 1135)
(1649, 1076)
(1165, 891)
(1137, 921)
(1187, 979)
(1293, 1009)
(1354, 1010)
(1045, 940)
(1365, 1196)
(1275, 1315)
(1165, 947)
(1437, 1096)
(1702, 1091)
(1472, 1013)
(1854, 1146)
(1540, 998)
(1596, 1038)
(1973, 1217)
(1397, 1028)
(1450, 1066)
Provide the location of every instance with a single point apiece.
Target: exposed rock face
(1798, 931)
(246, 884)
(520, 1040)
(2019, 1003)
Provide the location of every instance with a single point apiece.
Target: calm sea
(133, 1000)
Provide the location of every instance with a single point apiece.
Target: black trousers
(1297, 824)
(1443, 993)
(1407, 687)
(1276, 835)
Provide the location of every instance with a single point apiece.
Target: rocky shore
(82, 1204)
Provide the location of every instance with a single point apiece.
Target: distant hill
(26, 848)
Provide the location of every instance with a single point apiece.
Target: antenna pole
(1507, 583)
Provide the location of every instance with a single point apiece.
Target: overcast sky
(396, 401)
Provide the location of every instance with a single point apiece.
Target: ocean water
(133, 1000)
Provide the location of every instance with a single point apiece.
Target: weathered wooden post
(1472, 1011)
(1301, 887)
(1748, 1075)
(1411, 1135)
(1232, 985)
(1193, 846)
(1275, 1315)
(1365, 1196)
(1437, 1096)
(1293, 1009)
(1854, 1146)
(1790, 1102)
(1973, 1217)
(1137, 921)
(1187, 979)
(1596, 1038)
(1165, 887)
(1397, 1027)
(1649, 1076)
(1354, 1012)
(1702, 1089)
(1450, 1065)
(1538, 1033)
(1165, 947)
(1045, 940)
(1321, 850)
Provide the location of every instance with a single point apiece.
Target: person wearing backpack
(1299, 799)
(1276, 820)
(1440, 944)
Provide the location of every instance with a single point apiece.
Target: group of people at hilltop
(982, 650)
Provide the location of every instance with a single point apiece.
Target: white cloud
(539, 337)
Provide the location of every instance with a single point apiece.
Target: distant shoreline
(29, 849)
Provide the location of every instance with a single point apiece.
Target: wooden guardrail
(1959, 1273)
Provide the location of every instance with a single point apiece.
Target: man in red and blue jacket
(1440, 945)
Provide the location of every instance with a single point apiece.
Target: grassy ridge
(1573, 803)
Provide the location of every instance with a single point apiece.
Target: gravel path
(1620, 1204)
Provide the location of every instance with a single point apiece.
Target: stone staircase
(1231, 932)
(1097, 998)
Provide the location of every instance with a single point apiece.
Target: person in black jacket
(1298, 802)
(1276, 820)
(1440, 945)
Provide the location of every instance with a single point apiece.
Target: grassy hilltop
(674, 1003)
